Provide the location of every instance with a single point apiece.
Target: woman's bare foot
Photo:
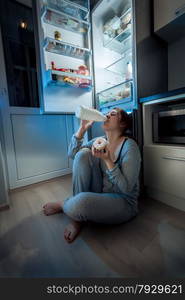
(71, 231)
(52, 208)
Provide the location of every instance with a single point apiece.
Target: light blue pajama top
(124, 177)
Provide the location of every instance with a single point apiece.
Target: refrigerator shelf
(87, 87)
(70, 74)
(115, 102)
(62, 48)
(70, 8)
(81, 3)
(117, 93)
(115, 23)
(61, 20)
(119, 66)
(118, 42)
(116, 26)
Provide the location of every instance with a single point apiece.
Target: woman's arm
(77, 139)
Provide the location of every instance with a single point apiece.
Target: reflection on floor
(32, 245)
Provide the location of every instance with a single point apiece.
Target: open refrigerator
(86, 57)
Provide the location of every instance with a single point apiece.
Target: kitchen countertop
(165, 96)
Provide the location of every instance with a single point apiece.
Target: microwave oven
(169, 126)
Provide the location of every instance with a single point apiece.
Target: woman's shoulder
(130, 144)
(131, 141)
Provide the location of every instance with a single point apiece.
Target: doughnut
(100, 143)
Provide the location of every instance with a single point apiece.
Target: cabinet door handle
(174, 158)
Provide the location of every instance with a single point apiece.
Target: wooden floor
(32, 245)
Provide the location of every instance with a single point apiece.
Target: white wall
(176, 64)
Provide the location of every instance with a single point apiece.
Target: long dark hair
(125, 121)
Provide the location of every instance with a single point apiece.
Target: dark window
(20, 54)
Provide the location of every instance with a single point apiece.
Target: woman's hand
(105, 155)
(84, 126)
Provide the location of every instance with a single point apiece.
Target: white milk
(89, 114)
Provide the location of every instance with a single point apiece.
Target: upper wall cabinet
(169, 19)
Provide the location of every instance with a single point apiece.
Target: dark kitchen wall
(93, 3)
(176, 64)
(19, 49)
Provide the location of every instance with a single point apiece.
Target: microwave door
(169, 127)
(171, 113)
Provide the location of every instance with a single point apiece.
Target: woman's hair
(125, 121)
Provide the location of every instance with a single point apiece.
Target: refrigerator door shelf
(85, 87)
(61, 20)
(70, 8)
(118, 94)
(62, 48)
(70, 74)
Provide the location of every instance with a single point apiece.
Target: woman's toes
(71, 232)
(52, 208)
(66, 234)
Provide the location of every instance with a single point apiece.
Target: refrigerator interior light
(23, 25)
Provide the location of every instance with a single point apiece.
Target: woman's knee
(82, 157)
(83, 154)
(76, 207)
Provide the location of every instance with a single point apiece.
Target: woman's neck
(114, 137)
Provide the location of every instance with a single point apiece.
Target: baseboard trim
(23, 187)
(39, 178)
(166, 198)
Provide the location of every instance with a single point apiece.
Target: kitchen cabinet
(164, 169)
(164, 160)
(169, 18)
(164, 173)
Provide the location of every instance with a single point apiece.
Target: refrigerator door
(114, 54)
(65, 56)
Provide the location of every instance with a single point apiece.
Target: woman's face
(113, 121)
